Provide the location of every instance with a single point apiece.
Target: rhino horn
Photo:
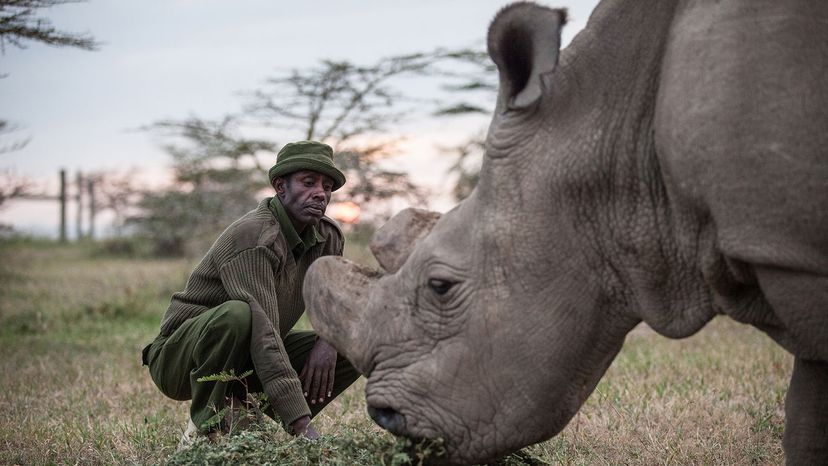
(524, 42)
(335, 296)
(394, 241)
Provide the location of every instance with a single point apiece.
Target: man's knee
(233, 317)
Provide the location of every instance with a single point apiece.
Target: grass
(72, 389)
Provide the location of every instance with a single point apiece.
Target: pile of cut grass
(267, 444)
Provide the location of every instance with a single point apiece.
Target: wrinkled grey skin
(669, 166)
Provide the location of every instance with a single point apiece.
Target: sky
(171, 59)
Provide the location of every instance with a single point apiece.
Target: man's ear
(279, 185)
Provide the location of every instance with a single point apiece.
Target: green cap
(307, 155)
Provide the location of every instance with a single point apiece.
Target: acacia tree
(342, 103)
(216, 170)
(352, 108)
(216, 176)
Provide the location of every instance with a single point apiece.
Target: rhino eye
(439, 286)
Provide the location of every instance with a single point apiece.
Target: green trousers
(219, 340)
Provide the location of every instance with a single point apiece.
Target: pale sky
(170, 59)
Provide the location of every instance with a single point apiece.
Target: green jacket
(252, 262)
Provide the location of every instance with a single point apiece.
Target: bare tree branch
(13, 186)
(19, 24)
(6, 128)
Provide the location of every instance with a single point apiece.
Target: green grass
(72, 389)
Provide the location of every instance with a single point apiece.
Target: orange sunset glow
(344, 212)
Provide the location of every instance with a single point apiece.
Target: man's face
(305, 195)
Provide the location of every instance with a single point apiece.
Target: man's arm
(249, 277)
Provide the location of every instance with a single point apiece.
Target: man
(241, 301)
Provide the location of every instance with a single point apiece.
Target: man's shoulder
(329, 226)
(254, 229)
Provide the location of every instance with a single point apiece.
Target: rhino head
(491, 324)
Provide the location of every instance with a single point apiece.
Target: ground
(72, 389)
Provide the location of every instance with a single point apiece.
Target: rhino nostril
(388, 418)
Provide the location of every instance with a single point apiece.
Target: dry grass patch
(72, 389)
(714, 398)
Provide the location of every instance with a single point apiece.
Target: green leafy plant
(237, 414)
(225, 376)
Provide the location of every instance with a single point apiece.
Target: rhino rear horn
(524, 42)
(394, 241)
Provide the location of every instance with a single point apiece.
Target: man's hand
(318, 374)
(302, 426)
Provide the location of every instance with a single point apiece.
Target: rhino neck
(610, 78)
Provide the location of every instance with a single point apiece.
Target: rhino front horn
(394, 241)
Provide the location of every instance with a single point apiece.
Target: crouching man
(241, 301)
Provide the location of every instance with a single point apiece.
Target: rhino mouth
(389, 419)
(393, 421)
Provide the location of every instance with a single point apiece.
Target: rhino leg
(800, 300)
(806, 414)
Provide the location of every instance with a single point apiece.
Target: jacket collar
(299, 245)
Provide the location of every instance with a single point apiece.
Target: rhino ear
(395, 240)
(524, 42)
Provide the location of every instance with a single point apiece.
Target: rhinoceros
(670, 165)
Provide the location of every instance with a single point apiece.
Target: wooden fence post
(62, 205)
(90, 184)
(79, 205)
